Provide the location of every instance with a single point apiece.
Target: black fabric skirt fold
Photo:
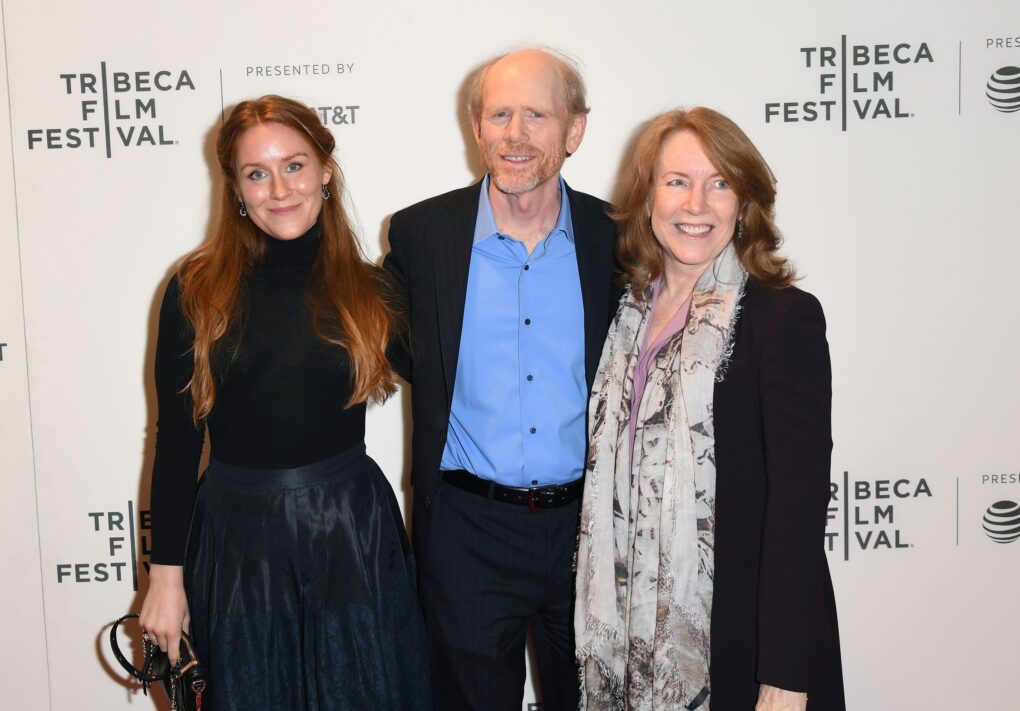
(301, 589)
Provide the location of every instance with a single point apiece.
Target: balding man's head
(573, 92)
(523, 124)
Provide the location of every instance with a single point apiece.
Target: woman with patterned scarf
(701, 577)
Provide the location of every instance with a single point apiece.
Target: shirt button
(527, 267)
(527, 322)
(530, 377)
(533, 430)
(534, 482)
(500, 237)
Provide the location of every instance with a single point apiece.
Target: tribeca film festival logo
(1001, 521)
(117, 548)
(862, 514)
(116, 110)
(856, 82)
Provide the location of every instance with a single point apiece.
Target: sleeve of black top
(399, 352)
(178, 440)
(796, 396)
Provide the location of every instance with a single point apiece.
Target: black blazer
(430, 253)
(773, 612)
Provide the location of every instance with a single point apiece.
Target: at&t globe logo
(1003, 90)
(1002, 521)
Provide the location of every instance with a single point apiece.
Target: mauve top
(649, 350)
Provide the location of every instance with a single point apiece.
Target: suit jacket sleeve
(796, 397)
(395, 263)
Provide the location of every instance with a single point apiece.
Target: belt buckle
(532, 507)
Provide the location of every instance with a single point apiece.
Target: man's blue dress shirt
(520, 396)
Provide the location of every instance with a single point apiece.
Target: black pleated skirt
(301, 588)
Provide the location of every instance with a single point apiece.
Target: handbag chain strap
(144, 675)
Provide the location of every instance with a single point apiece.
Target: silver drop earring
(242, 211)
(325, 192)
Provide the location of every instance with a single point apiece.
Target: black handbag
(184, 682)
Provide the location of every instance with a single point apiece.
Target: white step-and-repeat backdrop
(893, 128)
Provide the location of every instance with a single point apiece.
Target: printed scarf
(645, 562)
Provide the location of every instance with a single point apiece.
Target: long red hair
(351, 302)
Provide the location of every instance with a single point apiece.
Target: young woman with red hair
(296, 579)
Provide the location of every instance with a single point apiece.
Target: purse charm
(197, 685)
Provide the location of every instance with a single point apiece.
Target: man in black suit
(509, 291)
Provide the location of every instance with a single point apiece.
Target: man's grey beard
(518, 189)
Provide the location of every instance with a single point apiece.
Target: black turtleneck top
(280, 398)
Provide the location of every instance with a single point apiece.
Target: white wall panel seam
(24, 326)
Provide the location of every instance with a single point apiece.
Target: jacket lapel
(454, 240)
(594, 286)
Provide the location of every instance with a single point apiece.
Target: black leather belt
(537, 499)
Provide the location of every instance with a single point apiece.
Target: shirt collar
(485, 224)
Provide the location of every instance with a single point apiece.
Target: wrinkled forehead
(530, 79)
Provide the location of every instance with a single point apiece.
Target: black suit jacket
(430, 253)
(773, 612)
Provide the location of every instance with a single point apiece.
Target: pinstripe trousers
(492, 571)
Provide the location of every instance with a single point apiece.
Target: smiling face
(693, 209)
(279, 177)
(524, 130)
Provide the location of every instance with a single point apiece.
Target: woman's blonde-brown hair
(737, 160)
(351, 304)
